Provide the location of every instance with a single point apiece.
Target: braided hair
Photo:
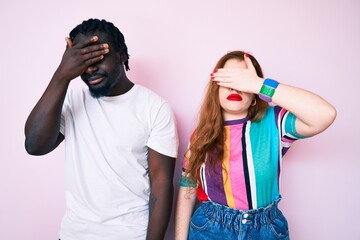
(114, 35)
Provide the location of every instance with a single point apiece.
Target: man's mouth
(95, 80)
(234, 97)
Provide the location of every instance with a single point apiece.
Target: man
(120, 139)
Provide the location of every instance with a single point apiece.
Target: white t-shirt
(106, 169)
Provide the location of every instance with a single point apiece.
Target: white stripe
(283, 132)
(285, 145)
(251, 169)
(203, 180)
(281, 143)
(282, 127)
(291, 136)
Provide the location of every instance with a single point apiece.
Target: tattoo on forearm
(152, 204)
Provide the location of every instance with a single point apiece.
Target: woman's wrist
(254, 85)
(267, 89)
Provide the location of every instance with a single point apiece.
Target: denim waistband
(235, 217)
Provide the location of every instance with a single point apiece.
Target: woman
(232, 165)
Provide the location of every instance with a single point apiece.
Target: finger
(221, 79)
(95, 48)
(87, 42)
(224, 70)
(95, 54)
(226, 73)
(91, 61)
(223, 84)
(249, 63)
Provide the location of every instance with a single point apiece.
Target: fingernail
(212, 78)
(211, 74)
(215, 70)
(245, 55)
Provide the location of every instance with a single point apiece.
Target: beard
(100, 90)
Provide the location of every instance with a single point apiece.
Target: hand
(240, 78)
(77, 58)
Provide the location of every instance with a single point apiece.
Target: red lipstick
(234, 97)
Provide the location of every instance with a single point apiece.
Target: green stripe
(266, 90)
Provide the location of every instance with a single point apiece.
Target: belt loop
(256, 220)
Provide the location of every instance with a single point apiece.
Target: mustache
(89, 77)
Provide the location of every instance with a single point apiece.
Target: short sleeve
(287, 123)
(287, 130)
(66, 110)
(163, 137)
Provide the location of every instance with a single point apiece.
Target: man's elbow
(36, 149)
(32, 149)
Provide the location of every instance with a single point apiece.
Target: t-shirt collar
(236, 121)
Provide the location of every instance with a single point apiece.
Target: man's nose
(91, 69)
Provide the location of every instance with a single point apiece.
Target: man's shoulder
(148, 93)
(145, 89)
(76, 92)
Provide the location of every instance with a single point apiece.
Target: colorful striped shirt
(253, 152)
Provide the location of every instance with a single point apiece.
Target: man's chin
(98, 93)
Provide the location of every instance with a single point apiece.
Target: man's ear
(122, 57)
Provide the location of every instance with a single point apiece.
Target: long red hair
(207, 140)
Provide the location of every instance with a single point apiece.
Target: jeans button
(244, 221)
(245, 215)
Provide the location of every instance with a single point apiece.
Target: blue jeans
(214, 221)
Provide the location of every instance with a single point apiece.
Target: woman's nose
(234, 90)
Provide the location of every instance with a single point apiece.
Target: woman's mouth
(234, 97)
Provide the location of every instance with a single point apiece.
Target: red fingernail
(215, 70)
(211, 74)
(212, 78)
(245, 55)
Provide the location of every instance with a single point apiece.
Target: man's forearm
(160, 206)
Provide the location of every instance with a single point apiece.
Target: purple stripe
(236, 121)
(277, 110)
(214, 182)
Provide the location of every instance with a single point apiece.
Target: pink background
(173, 47)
